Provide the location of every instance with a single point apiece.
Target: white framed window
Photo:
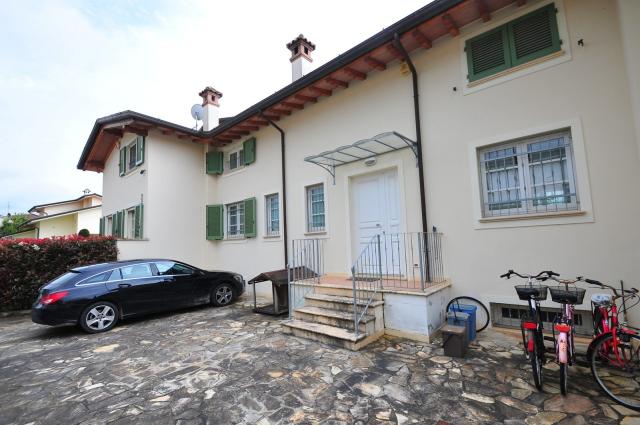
(108, 227)
(130, 223)
(236, 160)
(272, 210)
(132, 155)
(315, 208)
(235, 220)
(530, 176)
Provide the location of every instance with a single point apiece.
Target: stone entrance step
(341, 319)
(336, 302)
(328, 334)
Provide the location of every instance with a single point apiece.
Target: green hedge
(27, 264)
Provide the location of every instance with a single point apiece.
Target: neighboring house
(527, 156)
(63, 218)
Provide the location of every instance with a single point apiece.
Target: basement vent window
(522, 40)
(511, 315)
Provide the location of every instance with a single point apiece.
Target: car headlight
(238, 277)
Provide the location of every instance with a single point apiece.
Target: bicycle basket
(567, 295)
(537, 292)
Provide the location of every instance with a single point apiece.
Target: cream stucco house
(466, 139)
(63, 218)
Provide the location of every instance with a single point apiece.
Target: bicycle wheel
(536, 366)
(564, 378)
(615, 365)
(482, 313)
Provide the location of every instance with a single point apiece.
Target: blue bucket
(469, 310)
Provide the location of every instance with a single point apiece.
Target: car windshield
(60, 281)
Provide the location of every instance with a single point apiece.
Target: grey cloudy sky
(65, 63)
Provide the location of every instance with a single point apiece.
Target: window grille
(315, 208)
(535, 175)
(235, 220)
(273, 214)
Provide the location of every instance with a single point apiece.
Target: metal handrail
(410, 261)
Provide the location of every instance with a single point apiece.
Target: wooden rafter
(306, 98)
(271, 116)
(238, 132)
(114, 131)
(292, 105)
(355, 73)
(166, 131)
(257, 121)
(248, 127)
(450, 24)
(280, 111)
(136, 130)
(483, 11)
(320, 90)
(375, 63)
(395, 52)
(521, 2)
(336, 82)
(422, 39)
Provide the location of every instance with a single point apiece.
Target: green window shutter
(121, 216)
(140, 150)
(123, 161)
(138, 218)
(250, 218)
(534, 35)
(101, 226)
(249, 148)
(488, 53)
(214, 162)
(214, 222)
(114, 225)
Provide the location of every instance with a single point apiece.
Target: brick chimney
(301, 49)
(210, 103)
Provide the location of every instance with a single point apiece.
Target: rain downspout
(284, 188)
(416, 108)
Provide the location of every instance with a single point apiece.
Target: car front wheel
(99, 317)
(222, 295)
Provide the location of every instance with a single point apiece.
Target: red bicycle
(614, 354)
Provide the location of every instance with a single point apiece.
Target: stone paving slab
(231, 366)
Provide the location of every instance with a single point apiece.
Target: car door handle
(124, 285)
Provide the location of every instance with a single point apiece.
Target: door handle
(124, 285)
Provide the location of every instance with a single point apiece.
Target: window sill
(235, 171)
(532, 216)
(131, 240)
(316, 233)
(271, 236)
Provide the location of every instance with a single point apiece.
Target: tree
(11, 223)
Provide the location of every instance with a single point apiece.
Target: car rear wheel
(222, 295)
(99, 317)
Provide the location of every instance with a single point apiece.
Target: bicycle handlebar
(632, 291)
(539, 276)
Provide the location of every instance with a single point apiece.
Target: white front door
(375, 204)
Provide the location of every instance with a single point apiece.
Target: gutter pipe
(284, 188)
(416, 108)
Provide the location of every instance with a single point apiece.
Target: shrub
(84, 233)
(27, 264)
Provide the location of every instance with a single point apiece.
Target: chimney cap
(301, 47)
(210, 96)
(299, 40)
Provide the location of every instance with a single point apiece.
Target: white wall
(90, 220)
(58, 226)
(592, 88)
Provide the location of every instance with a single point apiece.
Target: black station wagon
(95, 297)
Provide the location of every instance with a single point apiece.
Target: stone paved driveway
(228, 365)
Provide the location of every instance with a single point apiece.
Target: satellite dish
(197, 112)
